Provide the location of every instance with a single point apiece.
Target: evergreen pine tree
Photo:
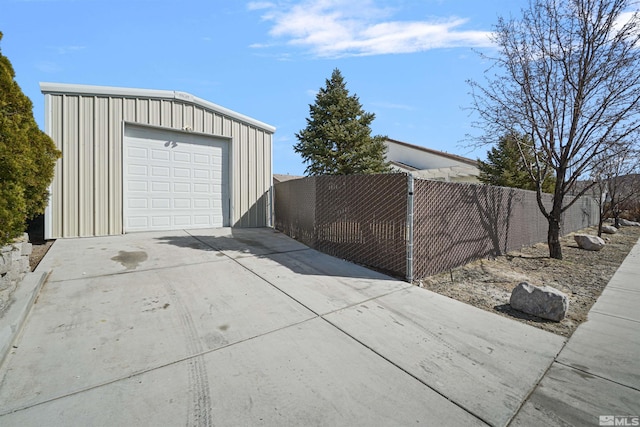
(505, 165)
(337, 139)
(27, 158)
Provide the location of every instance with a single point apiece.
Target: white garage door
(174, 180)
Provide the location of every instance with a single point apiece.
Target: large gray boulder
(542, 301)
(609, 229)
(588, 242)
(627, 223)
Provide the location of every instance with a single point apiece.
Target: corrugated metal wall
(86, 193)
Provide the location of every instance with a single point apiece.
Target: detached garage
(143, 160)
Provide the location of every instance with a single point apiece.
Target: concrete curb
(13, 319)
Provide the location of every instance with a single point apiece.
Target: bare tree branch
(567, 76)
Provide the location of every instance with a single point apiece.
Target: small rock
(609, 229)
(5, 262)
(590, 243)
(27, 248)
(545, 302)
(627, 223)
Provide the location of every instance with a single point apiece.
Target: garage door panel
(182, 220)
(199, 188)
(160, 221)
(162, 187)
(182, 203)
(177, 184)
(160, 155)
(141, 186)
(181, 173)
(138, 203)
(160, 171)
(203, 220)
(202, 174)
(160, 203)
(182, 187)
(137, 170)
(137, 222)
(137, 153)
(202, 204)
(199, 159)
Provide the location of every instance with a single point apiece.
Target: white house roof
(151, 94)
(417, 150)
(422, 162)
(446, 173)
(283, 178)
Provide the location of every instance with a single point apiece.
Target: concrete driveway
(249, 327)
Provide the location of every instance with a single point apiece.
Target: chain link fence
(414, 228)
(361, 218)
(295, 209)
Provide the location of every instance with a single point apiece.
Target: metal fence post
(410, 228)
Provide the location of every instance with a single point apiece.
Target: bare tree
(567, 77)
(616, 182)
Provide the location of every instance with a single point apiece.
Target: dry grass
(582, 275)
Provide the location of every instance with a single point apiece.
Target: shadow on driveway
(270, 244)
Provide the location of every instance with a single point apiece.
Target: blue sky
(407, 60)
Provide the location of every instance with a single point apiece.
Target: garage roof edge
(67, 88)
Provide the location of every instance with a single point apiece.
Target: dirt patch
(582, 275)
(39, 250)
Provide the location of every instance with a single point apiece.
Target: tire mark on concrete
(199, 412)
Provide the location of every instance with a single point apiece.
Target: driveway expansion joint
(568, 365)
(602, 313)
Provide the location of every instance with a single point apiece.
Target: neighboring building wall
(87, 125)
(426, 163)
(421, 157)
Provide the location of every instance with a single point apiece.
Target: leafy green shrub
(27, 158)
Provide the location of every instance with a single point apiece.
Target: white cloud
(259, 5)
(337, 28)
(626, 18)
(63, 50)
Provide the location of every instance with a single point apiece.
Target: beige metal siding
(101, 167)
(88, 127)
(85, 166)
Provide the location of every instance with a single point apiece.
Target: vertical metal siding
(176, 116)
(85, 166)
(239, 177)
(207, 121)
(129, 110)
(155, 116)
(56, 200)
(142, 111)
(198, 120)
(87, 188)
(70, 166)
(114, 214)
(187, 118)
(101, 167)
(166, 112)
(253, 175)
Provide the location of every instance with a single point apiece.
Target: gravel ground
(581, 274)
